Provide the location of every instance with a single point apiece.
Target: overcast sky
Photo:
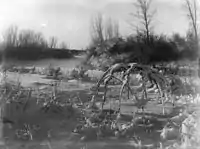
(70, 20)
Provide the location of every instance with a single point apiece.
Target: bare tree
(191, 6)
(28, 38)
(53, 42)
(39, 39)
(97, 29)
(144, 16)
(111, 29)
(116, 29)
(63, 45)
(102, 30)
(10, 36)
(192, 14)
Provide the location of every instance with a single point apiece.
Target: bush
(32, 53)
(134, 49)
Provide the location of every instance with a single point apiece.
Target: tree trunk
(3, 70)
(198, 52)
(199, 67)
(1, 127)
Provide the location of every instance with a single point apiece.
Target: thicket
(30, 45)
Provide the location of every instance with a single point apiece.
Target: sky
(69, 20)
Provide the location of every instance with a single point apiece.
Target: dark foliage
(23, 53)
(135, 49)
(164, 51)
(30, 45)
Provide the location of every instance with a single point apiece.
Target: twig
(26, 103)
(49, 139)
(6, 142)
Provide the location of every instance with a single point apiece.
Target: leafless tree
(10, 36)
(102, 29)
(53, 42)
(28, 38)
(111, 29)
(63, 45)
(191, 6)
(116, 29)
(97, 28)
(144, 16)
(192, 14)
(39, 39)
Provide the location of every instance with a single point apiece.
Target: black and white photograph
(99, 74)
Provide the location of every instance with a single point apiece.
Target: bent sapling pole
(148, 74)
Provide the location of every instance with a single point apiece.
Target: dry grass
(13, 87)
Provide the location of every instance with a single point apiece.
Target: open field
(52, 127)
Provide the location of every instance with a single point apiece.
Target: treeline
(135, 49)
(144, 45)
(32, 53)
(30, 45)
(159, 49)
